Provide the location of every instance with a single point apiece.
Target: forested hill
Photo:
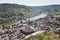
(47, 8)
(8, 10)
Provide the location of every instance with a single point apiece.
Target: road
(34, 33)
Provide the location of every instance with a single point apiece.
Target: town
(43, 22)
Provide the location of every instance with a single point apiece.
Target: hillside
(8, 10)
(51, 9)
(47, 8)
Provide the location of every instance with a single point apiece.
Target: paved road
(34, 33)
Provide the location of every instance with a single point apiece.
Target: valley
(20, 22)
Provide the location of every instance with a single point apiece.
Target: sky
(32, 2)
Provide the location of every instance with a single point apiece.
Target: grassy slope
(43, 36)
